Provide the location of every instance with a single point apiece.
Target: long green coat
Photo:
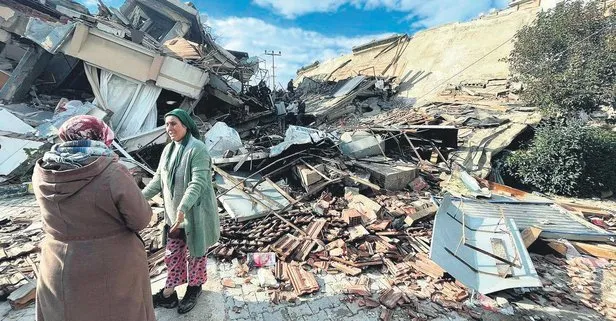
(201, 223)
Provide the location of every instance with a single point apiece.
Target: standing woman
(184, 176)
(93, 265)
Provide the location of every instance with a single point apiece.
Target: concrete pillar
(23, 76)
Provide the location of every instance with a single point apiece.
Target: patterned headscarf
(172, 164)
(84, 138)
(86, 127)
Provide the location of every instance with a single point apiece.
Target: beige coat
(93, 265)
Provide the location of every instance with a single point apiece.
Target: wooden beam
(558, 247)
(315, 170)
(530, 235)
(598, 250)
(354, 178)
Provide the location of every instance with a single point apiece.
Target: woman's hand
(178, 221)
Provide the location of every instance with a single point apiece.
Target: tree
(567, 158)
(566, 59)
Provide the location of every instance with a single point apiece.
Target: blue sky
(309, 30)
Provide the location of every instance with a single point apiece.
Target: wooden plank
(598, 250)
(498, 248)
(314, 169)
(558, 247)
(585, 210)
(34, 267)
(353, 178)
(530, 235)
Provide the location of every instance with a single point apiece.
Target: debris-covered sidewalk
(242, 298)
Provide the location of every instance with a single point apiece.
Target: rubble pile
(19, 257)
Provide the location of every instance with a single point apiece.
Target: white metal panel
(11, 123)
(479, 271)
(14, 152)
(182, 78)
(240, 206)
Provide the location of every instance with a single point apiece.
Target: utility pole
(273, 54)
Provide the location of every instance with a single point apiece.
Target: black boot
(165, 302)
(190, 299)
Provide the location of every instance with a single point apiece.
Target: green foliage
(568, 159)
(567, 59)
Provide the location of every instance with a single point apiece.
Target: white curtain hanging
(133, 104)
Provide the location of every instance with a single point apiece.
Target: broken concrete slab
(21, 297)
(50, 36)
(308, 176)
(131, 60)
(390, 177)
(423, 208)
(30, 115)
(23, 76)
(361, 144)
(369, 209)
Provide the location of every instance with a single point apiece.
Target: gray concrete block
(390, 177)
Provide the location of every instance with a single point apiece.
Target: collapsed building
(391, 169)
(133, 64)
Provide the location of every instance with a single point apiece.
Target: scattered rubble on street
(365, 181)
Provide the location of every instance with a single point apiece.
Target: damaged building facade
(131, 64)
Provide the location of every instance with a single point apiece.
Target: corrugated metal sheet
(454, 228)
(555, 221)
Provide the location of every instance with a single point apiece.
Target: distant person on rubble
(184, 176)
(290, 87)
(93, 262)
(291, 117)
(301, 111)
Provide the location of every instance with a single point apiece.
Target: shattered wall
(432, 56)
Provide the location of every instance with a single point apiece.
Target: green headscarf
(192, 129)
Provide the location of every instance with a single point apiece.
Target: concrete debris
(228, 283)
(266, 278)
(361, 144)
(23, 296)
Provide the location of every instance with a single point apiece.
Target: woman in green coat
(184, 176)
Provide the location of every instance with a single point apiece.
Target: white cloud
(299, 47)
(294, 8)
(428, 12)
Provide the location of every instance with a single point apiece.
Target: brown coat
(93, 265)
